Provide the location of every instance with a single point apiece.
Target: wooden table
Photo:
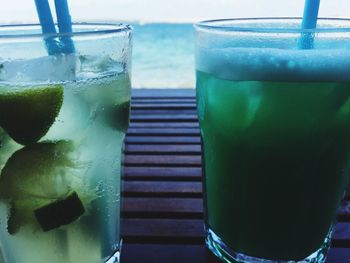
(162, 205)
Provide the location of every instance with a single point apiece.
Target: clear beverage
(60, 159)
(275, 127)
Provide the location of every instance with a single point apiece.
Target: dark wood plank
(154, 103)
(164, 125)
(182, 230)
(164, 149)
(163, 160)
(163, 173)
(162, 140)
(146, 207)
(164, 100)
(163, 105)
(170, 231)
(155, 253)
(163, 131)
(137, 112)
(341, 235)
(344, 211)
(337, 255)
(164, 117)
(162, 189)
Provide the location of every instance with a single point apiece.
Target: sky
(170, 10)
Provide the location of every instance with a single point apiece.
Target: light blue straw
(47, 25)
(309, 22)
(65, 25)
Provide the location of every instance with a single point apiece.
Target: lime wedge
(34, 170)
(41, 174)
(118, 116)
(28, 114)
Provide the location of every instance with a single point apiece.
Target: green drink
(60, 153)
(275, 127)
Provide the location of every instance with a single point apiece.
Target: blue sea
(163, 56)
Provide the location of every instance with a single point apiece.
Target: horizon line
(134, 21)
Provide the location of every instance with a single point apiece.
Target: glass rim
(105, 28)
(216, 25)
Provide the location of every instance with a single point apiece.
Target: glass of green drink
(63, 119)
(275, 127)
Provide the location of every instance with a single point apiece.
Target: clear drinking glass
(275, 127)
(63, 120)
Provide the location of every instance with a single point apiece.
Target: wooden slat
(163, 105)
(180, 231)
(162, 140)
(178, 100)
(159, 97)
(344, 211)
(163, 131)
(175, 229)
(164, 117)
(137, 112)
(146, 207)
(164, 125)
(163, 173)
(341, 235)
(154, 253)
(162, 160)
(160, 188)
(338, 255)
(164, 149)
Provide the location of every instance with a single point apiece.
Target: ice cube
(101, 64)
(94, 66)
(50, 68)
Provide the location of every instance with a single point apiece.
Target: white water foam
(273, 64)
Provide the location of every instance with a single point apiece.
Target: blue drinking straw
(65, 45)
(47, 25)
(65, 25)
(309, 22)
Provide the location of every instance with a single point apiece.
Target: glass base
(226, 254)
(115, 258)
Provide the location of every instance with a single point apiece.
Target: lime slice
(34, 170)
(38, 175)
(7, 147)
(118, 116)
(27, 115)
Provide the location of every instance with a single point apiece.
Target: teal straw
(309, 23)
(65, 25)
(47, 25)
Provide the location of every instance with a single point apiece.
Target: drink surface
(60, 158)
(275, 160)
